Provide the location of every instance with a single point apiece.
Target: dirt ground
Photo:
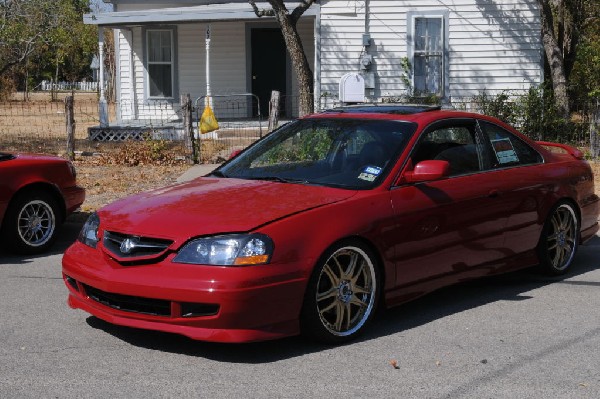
(107, 183)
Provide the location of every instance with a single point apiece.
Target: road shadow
(437, 305)
(66, 236)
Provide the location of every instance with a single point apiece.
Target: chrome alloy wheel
(36, 223)
(346, 291)
(561, 239)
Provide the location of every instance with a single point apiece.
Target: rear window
(507, 149)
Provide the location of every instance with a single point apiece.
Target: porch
(220, 49)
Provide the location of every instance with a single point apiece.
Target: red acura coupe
(37, 192)
(312, 228)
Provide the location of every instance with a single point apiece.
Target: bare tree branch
(261, 13)
(300, 9)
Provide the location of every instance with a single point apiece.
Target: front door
(269, 69)
(449, 226)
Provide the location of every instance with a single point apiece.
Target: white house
(455, 49)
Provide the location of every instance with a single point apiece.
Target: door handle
(494, 193)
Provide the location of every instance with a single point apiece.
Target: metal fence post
(188, 128)
(70, 124)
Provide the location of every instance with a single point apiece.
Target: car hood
(212, 206)
(27, 157)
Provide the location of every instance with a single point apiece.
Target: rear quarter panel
(574, 179)
(20, 173)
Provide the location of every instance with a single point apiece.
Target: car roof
(421, 114)
(396, 109)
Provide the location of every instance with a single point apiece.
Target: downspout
(102, 105)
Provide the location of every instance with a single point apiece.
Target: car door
(518, 169)
(452, 225)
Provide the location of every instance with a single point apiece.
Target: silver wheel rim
(562, 237)
(36, 223)
(346, 291)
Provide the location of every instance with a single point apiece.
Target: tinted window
(507, 149)
(455, 144)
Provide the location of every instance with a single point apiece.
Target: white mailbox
(352, 88)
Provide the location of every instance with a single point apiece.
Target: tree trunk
(557, 71)
(299, 61)
(287, 24)
(555, 61)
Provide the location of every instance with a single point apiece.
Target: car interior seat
(373, 153)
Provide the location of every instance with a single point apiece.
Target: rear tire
(342, 293)
(559, 240)
(31, 223)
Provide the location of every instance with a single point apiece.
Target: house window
(160, 63)
(428, 50)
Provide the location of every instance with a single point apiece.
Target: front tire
(560, 239)
(342, 293)
(31, 223)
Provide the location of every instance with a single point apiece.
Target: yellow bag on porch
(208, 121)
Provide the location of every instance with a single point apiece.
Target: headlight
(89, 232)
(235, 249)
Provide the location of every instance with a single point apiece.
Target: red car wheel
(31, 222)
(560, 239)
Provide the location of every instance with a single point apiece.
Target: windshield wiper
(217, 173)
(278, 179)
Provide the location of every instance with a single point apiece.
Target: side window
(507, 149)
(454, 144)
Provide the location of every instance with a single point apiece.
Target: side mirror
(428, 171)
(234, 154)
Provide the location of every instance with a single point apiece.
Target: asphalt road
(516, 336)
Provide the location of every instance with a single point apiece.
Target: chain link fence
(39, 125)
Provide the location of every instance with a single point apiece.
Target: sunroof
(385, 109)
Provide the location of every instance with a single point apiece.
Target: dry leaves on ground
(107, 183)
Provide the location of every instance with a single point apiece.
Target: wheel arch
(44, 187)
(379, 262)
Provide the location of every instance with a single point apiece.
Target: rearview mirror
(428, 171)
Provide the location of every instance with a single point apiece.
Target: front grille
(149, 306)
(131, 247)
(126, 303)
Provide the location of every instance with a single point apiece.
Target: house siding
(494, 46)
(228, 59)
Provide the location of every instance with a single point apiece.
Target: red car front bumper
(209, 303)
(74, 197)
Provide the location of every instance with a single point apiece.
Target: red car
(37, 193)
(312, 228)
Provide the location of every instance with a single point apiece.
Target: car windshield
(345, 153)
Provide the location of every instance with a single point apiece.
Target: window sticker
(373, 170)
(367, 177)
(505, 152)
(370, 173)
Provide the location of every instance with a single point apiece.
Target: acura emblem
(127, 246)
